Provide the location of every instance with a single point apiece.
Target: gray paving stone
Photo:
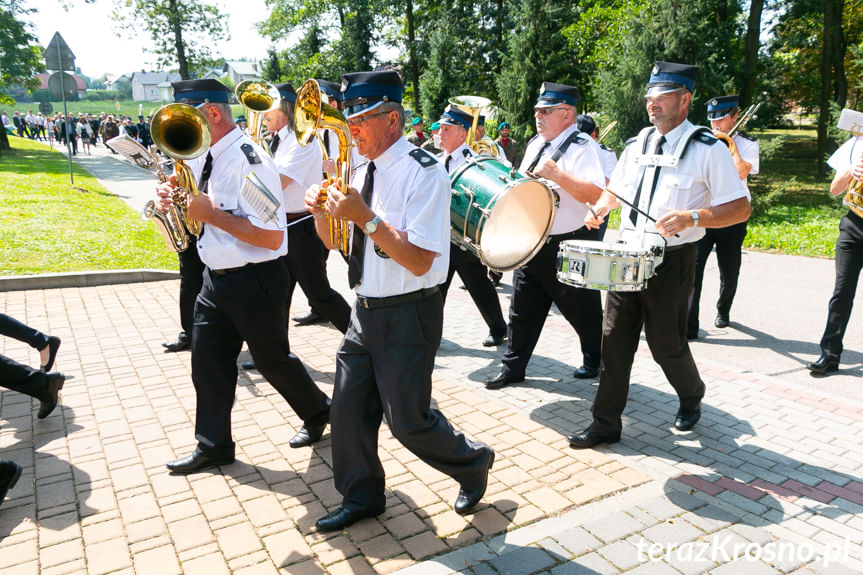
(524, 561)
(614, 526)
(578, 541)
(622, 554)
(590, 564)
(674, 531)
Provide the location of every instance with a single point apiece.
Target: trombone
(258, 97)
(473, 105)
(311, 114)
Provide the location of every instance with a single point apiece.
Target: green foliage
(48, 226)
(20, 54)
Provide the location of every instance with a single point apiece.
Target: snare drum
(501, 216)
(606, 266)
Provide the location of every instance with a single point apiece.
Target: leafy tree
(179, 30)
(20, 53)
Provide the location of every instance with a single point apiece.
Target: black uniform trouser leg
(383, 368)
(535, 288)
(849, 261)
(191, 279)
(307, 261)
(703, 247)
(661, 309)
(247, 305)
(474, 275)
(22, 378)
(11, 327)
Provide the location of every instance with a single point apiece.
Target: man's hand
(347, 205)
(596, 215)
(165, 192)
(674, 222)
(201, 208)
(857, 169)
(314, 199)
(547, 169)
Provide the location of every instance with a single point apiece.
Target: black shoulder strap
(703, 135)
(251, 155)
(424, 158)
(561, 150)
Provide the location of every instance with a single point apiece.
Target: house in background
(80, 84)
(146, 85)
(238, 71)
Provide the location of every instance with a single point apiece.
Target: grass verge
(47, 226)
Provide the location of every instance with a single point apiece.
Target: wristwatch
(693, 213)
(371, 226)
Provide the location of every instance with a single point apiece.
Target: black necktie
(538, 156)
(633, 215)
(274, 144)
(205, 174)
(358, 244)
(446, 163)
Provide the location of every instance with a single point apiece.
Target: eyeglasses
(547, 111)
(360, 120)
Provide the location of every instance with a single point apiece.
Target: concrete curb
(84, 279)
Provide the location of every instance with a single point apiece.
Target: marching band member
(454, 125)
(848, 163)
(245, 286)
(399, 257)
(571, 165)
(702, 191)
(587, 125)
(722, 113)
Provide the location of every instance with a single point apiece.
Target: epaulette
(531, 140)
(705, 137)
(251, 154)
(581, 139)
(424, 158)
(746, 136)
(467, 154)
(630, 140)
(606, 148)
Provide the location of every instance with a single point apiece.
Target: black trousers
(307, 261)
(661, 310)
(245, 305)
(849, 261)
(191, 280)
(383, 368)
(17, 376)
(728, 242)
(535, 288)
(475, 277)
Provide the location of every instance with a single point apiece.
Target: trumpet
(181, 132)
(472, 105)
(311, 114)
(258, 97)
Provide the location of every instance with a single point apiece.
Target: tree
(750, 59)
(179, 30)
(20, 53)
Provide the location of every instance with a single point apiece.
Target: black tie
(358, 245)
(633, 215)
(274, 144)
(538, 156)
(205, 174)
(446, 163)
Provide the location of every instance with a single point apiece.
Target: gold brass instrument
(473, 105)
(853, 197)
(258, 97)
(312, 113)
(605, 132)
(744, 118)
(181, 132)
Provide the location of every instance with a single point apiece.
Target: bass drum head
(518, 225)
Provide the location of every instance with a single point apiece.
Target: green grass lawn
(48, 226)
(127, 108)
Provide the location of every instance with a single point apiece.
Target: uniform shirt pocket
(674, 190)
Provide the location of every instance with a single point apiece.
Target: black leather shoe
(468, 498)
(494, 340)
(307, 435)
(692, 334)
(311, 318)
(823, 365)
(687, 418)
(721, 320)
(341, 518)
(590, 438)
(198, 461)
(502, 379)
(585, 372)
(53, 385)
(9, 474)
(248, 365)
(183, 342)
(495, 278)
(53, 345)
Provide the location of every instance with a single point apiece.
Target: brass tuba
(181, 132)
(473, 105)
(311, 114)
(853, 197)
(258, 97)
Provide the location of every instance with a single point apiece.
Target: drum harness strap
(557, 154)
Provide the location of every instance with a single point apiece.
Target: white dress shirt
(302, 164)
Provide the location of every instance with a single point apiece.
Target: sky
(98, 50)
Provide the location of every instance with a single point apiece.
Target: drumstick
(633, 207)
(589, 207)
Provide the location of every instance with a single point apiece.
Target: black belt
(296, 215)
(227, 271)
(374, 302)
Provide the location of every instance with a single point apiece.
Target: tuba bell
(311, 114)
(473, 105)
(258, 97)
(182, 133)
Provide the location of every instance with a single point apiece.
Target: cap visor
(659, 90)
(360, 110)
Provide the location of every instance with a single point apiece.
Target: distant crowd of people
(84, 129)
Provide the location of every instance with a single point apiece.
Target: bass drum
(501, 216)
